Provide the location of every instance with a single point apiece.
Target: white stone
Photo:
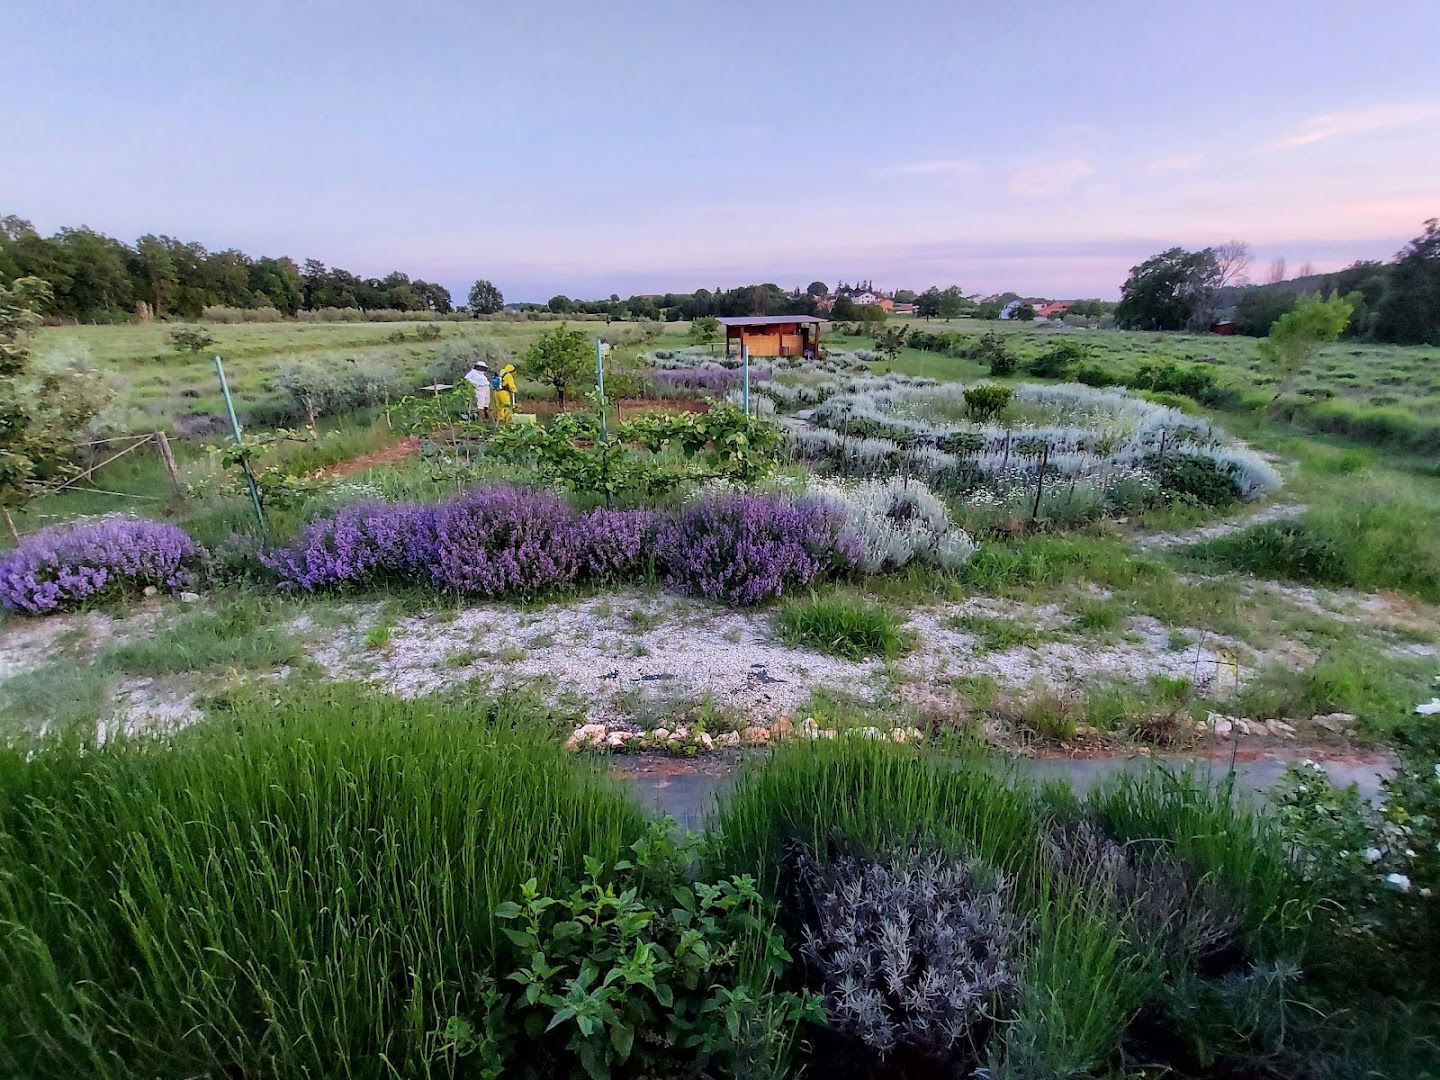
(189, 597)
(150, 590)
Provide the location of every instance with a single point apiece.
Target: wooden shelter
(773, 335)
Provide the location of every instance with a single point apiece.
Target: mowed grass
(305, 886)
(158, 385)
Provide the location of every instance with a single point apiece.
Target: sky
(590, 148)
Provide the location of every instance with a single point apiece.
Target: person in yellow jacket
(505, 394)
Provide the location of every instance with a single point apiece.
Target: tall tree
(1166, 291)
(485, 298)
(817, 289)
(1409, 312)
(157, 271)
(560, 358)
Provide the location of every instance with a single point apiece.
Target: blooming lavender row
(712, 380)
(502, 541)
(65, 566)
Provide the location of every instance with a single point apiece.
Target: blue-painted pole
(600, 384)
(240, 441)
(745, 378)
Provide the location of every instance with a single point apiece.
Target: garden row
(1060, 452)
(504, 541)
(340, 884)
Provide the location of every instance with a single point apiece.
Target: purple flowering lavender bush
(746, 549)
(65, 566)
(366, 544)
(712, 381)
(503, 541)
(618, 545)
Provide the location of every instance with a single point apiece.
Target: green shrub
(987, 401)
(1056, 361)
(1192, 478)
(642, 967)
(993, 351)
(1298, 550)
(1095, 375)
(843, 624)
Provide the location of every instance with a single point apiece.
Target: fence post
(168, 457)
(1040, 481)
(240, 441)
(600, 385)
(745, 378)
(10, 522)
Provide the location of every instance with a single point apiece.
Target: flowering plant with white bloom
(1378, 860)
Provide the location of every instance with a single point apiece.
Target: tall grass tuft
(843, 624)
(296, 888)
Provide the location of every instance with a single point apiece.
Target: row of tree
(1396, 301)
(92, 277)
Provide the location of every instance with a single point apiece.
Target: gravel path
(1220, 528)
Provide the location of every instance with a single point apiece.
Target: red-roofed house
(1053, 310)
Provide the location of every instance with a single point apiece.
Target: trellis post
(240, 441)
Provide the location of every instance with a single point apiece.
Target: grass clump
(998, 634)
(843, 624)
(1373, 534)
(243, 633)
(306, 888)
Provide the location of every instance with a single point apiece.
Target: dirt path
(389, 455)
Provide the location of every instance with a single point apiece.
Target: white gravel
(1153, 541)
(598, 654)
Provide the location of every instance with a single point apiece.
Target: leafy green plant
(561, 358)
(993, 351)
(988, 400)
(191, 339)
(643, 968)
(1056, 361)
(704, 329)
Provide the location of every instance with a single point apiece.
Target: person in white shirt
(479, 377)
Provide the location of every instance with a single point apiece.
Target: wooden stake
(168, 457)
(10, 521)
(1040, 482)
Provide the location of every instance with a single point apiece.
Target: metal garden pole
(600, 383)
(745, 378)
(240, 441)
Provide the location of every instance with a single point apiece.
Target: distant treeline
(768, 299)
(1399, 300)
(96, 278)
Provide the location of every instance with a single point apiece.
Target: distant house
(1008, 311)
(1225, 327)
(1053, 310)
(902, 309)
